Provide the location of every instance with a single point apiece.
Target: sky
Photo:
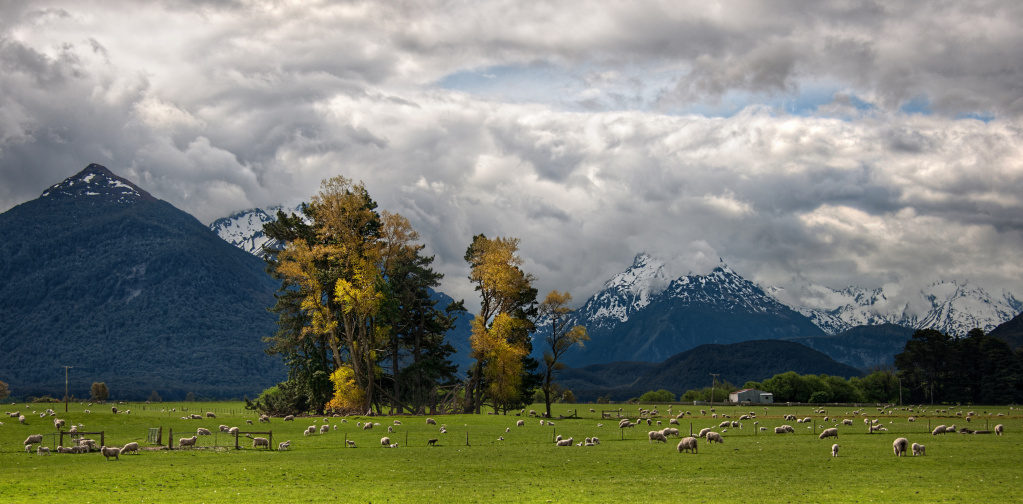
(836, 143)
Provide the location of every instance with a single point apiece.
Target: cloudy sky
(835, 142)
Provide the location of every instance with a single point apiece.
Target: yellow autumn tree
(348, 395)
(560, 338)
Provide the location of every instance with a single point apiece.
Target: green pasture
(471, 464)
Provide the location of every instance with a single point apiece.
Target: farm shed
(751, 396)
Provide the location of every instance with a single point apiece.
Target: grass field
(470, 463)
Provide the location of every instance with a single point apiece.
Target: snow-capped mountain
(97, 181)
(950, 307)
(626, 293)
(244, 229)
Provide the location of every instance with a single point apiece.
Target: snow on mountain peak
(244, 229)
(97, 181)
(628, 291)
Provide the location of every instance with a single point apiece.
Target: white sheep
(21, 419)
(233, 431)
(324, 429)
(919, 449)
(264, 418)
(900, 446)
(834, 450)
(999, 428)
(187, 441)
(385, 441)
(42, 450)
(520, 423)
(367, 426)
(938, 430)
(430, 421)
(703, 432)
(714, 437)
(110, 452)
(565, 442)
(687, 444)
(670, 432)
(210, 414)
(309, 430)
(397, 422)
(289, 418)
(656, 436)
(780, 430)
(351, 443)
(203, 432)
(34, 438)
(847, 422)
(130, 448)
(58, 423)
(832, 432)
(260, 441)
(223, 428)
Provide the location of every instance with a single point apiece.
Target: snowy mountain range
(951, 307)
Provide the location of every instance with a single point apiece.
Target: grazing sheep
(187, 441)
(62, 449)
(130, 447)
(289, 418)
(385, 441)
(223, 428)
(110, 452)
(911, 419)
(687, 444)
(113, 409)
(900, 446)
(834, 450)
(557, 438)
(780, 430)
(656, 436)
(431, 442)
(233, 431)
(430, 421)
(565, 442)
(938, 430)
(264, 419)
(724, 424)
(847, 422)
(203, 432)
(670, 431)
(532, 413)
(999, 428)
(58, 423)
(248, 422)
(42, 450)
(788, 428)
(21, 419)
(34, 438)
(351, 443)
(210, 414)
(324, 429)
(309, 430)
(520, 423)
(919, 449)
(703, 432)
(284, 445)
(832, 432)
(714, 437)
(673, 421)
(260, 441)
(368, 426)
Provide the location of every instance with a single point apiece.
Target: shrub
(660, 396)
(100, 392)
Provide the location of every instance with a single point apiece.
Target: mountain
(736, 363)
(99, 275)
(950, 307)
(244, 229)
(862, 347)
(639, 316)
(1010, 332)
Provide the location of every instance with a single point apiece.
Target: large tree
(560, 338)
(500, 339)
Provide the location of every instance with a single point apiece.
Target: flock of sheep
(688, 444)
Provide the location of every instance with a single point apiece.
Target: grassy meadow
(471, 464)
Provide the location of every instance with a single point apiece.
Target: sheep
(113, 409)
(900, 446)
(780, 430)
(264, 419)
(938, 430)
(210, 414)
(919, 449)
(520, 423)
(233, 431)
(847, 422)
(431, 442)
(687, 444)
(187, 441)
(248, 422)
(673, 421)
(532, 413)
(42, 450)
(289, 418)
(788, 428)
(557, 438)
(656, 436)
(34, 438)
(324, 429)
(260, 441)
(203, 432)
(832, 432)
(309, 430)
(284, 445)
(368, 426)
(21, 419)
(443, 430)
(714, 437)
(223, 428)
(63, 449)
(565, 442)
(703, 432)
(351, 443)
(670, 431)
(385, 441)
(58, 423)
(911, 419)
(999, 428)
(110, 452)
(724, 424)
(430, 421)
(834, 450)
(130, 447)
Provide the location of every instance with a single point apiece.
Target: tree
(4, 390)
(925, 363)
(154, 397)
(560, 339)
(659, 396)
(504, 290)
(100, 392)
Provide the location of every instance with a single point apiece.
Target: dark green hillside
(134, 293)
(862, 347)
(1010, 332)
